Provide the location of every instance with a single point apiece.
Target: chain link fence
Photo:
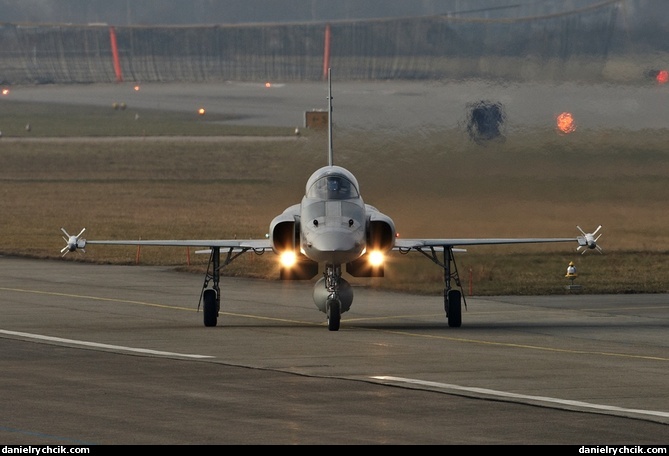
(579, 44)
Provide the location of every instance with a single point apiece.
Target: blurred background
(65, 41)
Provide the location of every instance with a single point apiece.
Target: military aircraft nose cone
(334, 243)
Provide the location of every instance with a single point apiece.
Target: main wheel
(454, 308)
(210, 307)
(334, 314)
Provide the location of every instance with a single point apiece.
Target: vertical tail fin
(330, 151)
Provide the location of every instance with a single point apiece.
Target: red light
(662, 76)
(565, 122)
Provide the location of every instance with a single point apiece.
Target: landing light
(288, 259)
(376, 258)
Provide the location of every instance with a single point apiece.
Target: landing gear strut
(210, 298)
(453, 298)
(333, 303)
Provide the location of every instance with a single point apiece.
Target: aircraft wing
(587, 240)
(408, 244)
(234, 244)
(75, 242)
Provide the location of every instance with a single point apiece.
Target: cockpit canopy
(332, 187)
(332, 184)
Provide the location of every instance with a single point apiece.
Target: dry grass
(433, 184)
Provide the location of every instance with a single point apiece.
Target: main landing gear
(339, 294)
(210, 298)
(453, 298)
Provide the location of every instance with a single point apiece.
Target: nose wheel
(333, 313)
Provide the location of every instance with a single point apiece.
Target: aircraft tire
(454, 308)
(334, 315)
(210, 308)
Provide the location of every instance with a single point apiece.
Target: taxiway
(102, 354)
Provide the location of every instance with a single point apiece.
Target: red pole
(116, 60)
(326, 52)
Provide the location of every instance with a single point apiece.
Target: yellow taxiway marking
(96, 298)
(524, 346)
(152, 304)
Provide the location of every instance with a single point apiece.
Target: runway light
(5, 91)
(662, 77)
(268, 85)
(566, 123)
(136, 88)
(201, 111)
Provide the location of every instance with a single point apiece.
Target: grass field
(216, 181)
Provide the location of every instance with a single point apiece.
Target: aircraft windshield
(332, 187)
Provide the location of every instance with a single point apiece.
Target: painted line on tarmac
(105, 346)
(97, 298)
(551, 401)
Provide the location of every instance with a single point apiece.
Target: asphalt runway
(103, 354)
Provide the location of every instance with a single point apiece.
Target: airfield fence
(579, 44)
